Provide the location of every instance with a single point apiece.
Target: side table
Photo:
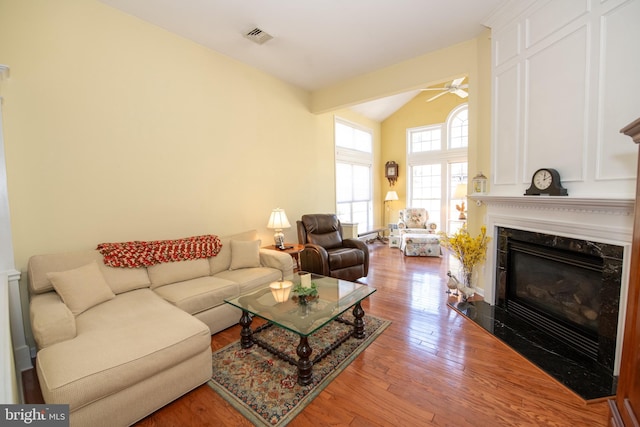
(394, 240)
(293, 249)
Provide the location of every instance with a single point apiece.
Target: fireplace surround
(600, 226)
(603, 221)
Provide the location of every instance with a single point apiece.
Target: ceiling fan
(454, 87)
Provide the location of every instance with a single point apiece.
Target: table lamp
(277, 221)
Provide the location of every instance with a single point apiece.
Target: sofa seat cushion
(197, 295)
(119, 343)
(345, 257)
(251, 278)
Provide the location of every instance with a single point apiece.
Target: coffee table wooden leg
(304, 364)
(358, 322)
(246, 334)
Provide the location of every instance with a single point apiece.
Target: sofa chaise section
(134, 338)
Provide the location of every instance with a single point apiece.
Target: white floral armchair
(417, 235)
(415, 221)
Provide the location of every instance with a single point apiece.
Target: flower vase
(468, 278)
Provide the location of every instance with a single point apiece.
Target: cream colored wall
(480, 126)
(118, 130)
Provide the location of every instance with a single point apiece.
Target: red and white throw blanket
(143, 254)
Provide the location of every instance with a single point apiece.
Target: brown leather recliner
(327, 253)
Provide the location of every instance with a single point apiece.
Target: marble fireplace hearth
(581, 374)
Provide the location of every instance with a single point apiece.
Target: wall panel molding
(575, 88)
(618, 75)
(557, 96)
(506, 152)
(507, 44)
(552, 17)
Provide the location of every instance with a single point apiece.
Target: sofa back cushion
(119, 279)
(178, 271)
(222, 261)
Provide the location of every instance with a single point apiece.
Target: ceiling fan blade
(461, 93)
(463, 86)
(457, 82)
(437, 96)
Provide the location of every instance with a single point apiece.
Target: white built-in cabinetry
(565, 81)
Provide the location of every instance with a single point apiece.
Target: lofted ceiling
(318, 43)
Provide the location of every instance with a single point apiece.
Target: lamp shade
(460, 192)
(280, 290)
(391, 195)
(278, 220)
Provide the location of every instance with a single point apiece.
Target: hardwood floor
(430, 367)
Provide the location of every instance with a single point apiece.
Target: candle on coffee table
(305, 280)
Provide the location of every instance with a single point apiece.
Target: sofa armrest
(278, 260)
(51, 320)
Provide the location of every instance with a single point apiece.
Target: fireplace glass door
(562, 286)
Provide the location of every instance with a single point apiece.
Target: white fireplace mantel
(595, 219)
(610, 206)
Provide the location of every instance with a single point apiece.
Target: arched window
(458, 127)
(437, 165)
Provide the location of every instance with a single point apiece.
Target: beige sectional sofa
(116, 344)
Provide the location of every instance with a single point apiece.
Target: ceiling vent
(258, 36)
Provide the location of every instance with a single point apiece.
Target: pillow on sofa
(81, 288)
(222, 261)
(245, 254)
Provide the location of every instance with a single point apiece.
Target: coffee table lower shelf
(304, 350)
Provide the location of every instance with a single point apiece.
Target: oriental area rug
(264, 388)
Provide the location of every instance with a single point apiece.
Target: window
(437, 163)
(354, 163)
(458, 130)
(426, 139)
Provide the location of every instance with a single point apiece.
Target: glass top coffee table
(335, 297)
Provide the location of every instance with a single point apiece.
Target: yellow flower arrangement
(470, 251)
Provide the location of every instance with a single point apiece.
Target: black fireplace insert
(567, 287)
